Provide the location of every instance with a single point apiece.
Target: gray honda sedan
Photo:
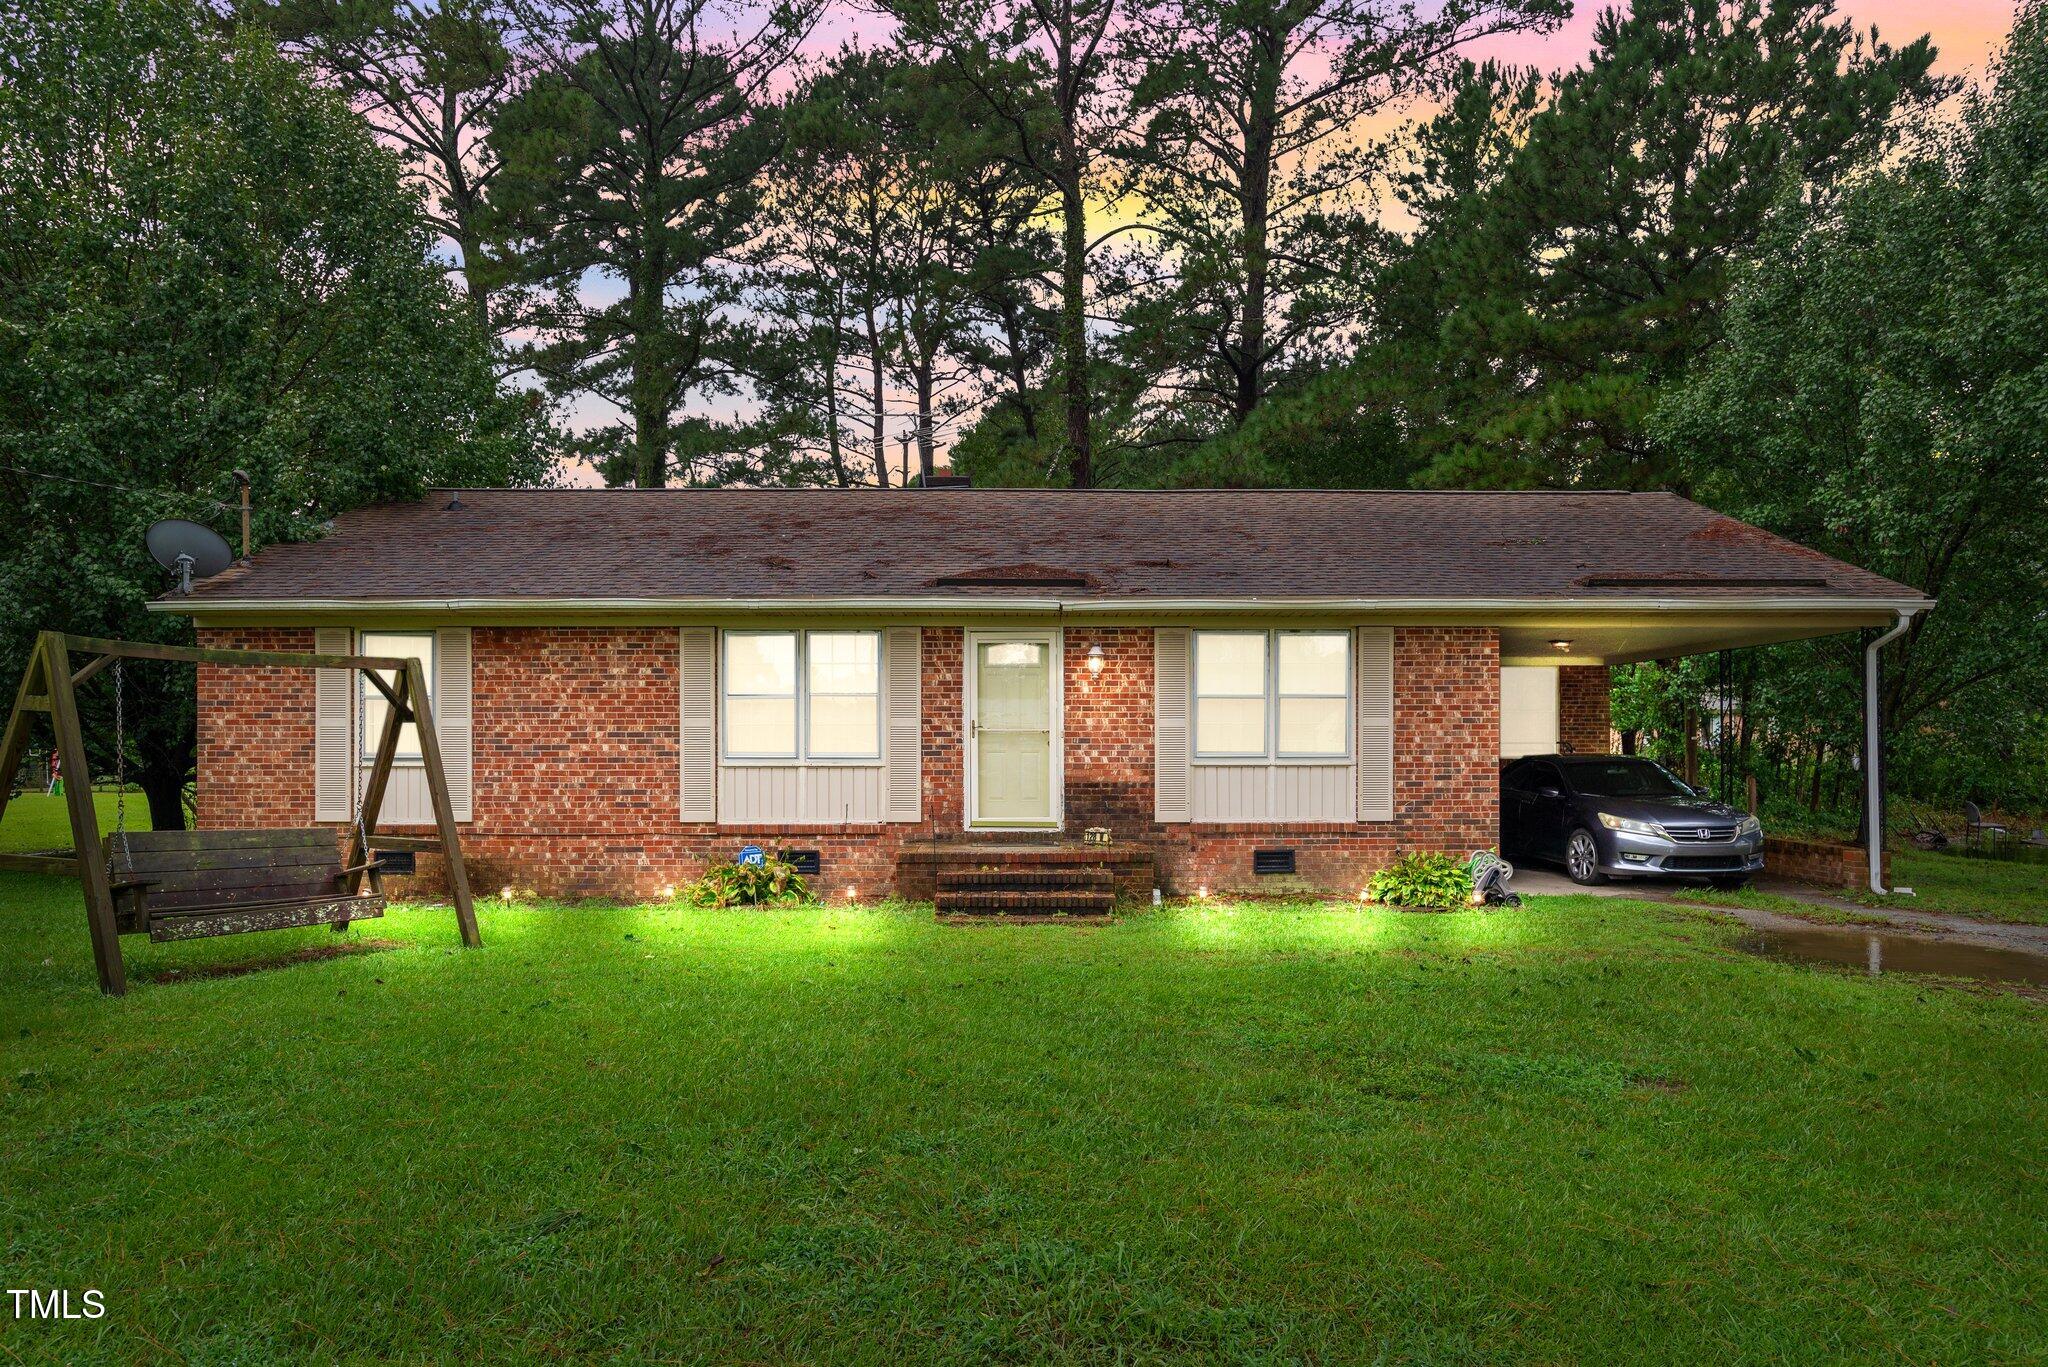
(1618, 816)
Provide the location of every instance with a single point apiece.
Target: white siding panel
(1528, 710)
(1312, 792)
(1271, 792)
(788, 794)
(753, 795)
(406, 800)
(334, 731)
(842, 795)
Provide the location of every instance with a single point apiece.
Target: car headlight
(1632, 826)
(1750, 826)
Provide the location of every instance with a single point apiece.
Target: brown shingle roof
(1007, 543)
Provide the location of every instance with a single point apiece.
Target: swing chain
(120, 768)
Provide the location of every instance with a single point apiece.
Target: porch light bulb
(1095, 659)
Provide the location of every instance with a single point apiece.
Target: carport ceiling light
(1560, 645)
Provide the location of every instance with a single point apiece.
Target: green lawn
(36, 821)
(1584, 1130)
(1993, 889)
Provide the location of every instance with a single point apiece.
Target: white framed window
(814, 695)
(1230, 694)
(371, 706)
(1263, 695)
(1312, 694)
(843, 694)
(760, 694)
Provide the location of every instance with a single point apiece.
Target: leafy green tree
(1577, 237)
(1051, 75)
(1253, 176)
(1880, 395)
(205, 265)
(431, 75)
(629, 189)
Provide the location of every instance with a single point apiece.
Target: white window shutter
(1375, 675)
(1170, 726)
(333, 728)
(903, 782)
(699, 724)
(452, 716)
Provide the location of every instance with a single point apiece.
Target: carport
(1749, 615)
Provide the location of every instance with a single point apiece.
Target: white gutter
(903, 603)
(1873, 755)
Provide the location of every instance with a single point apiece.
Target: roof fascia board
(1848, 611)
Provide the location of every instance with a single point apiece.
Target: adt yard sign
(751, 856)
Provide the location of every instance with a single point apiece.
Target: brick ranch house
(632, 683)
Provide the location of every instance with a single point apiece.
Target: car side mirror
(1548, 791)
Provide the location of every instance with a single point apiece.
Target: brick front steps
(1024, 881)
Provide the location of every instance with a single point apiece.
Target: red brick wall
(1109, 731)
(575, 763)
(1446, 782)
(256, 734)
(944, 706)
(1822, 863)
(1582, 710)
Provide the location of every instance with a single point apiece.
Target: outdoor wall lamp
(1095, 659)
(1560, 645)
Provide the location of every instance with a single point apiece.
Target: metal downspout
(1873, 752)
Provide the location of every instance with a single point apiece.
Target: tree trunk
(924, 366)
(650, 418)
(1020, 379)
(881, 430)
(833, 448)
(1820, 750)
(1257, 200)
(479, 294)
(164, 789)
(1074, 316)
(463, 208)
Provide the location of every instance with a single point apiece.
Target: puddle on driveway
(1877, 954)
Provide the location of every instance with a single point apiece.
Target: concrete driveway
(1539, 881)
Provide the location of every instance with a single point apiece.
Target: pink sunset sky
(1966, 34)
(1965, 31)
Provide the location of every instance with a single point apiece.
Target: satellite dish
(188, 550)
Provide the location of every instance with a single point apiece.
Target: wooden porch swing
(182, 885)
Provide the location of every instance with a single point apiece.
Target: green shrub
(1422, 878)
(771, 883)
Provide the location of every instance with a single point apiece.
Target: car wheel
(1582, 859)
(1731, 883)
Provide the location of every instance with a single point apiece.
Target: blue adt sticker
(751, 854)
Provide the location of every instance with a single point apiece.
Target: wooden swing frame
(50, 685)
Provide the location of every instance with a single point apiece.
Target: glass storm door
(1013, 732)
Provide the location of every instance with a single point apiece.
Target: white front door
(1013, 724)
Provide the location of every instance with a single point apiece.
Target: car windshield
(1627, 778)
